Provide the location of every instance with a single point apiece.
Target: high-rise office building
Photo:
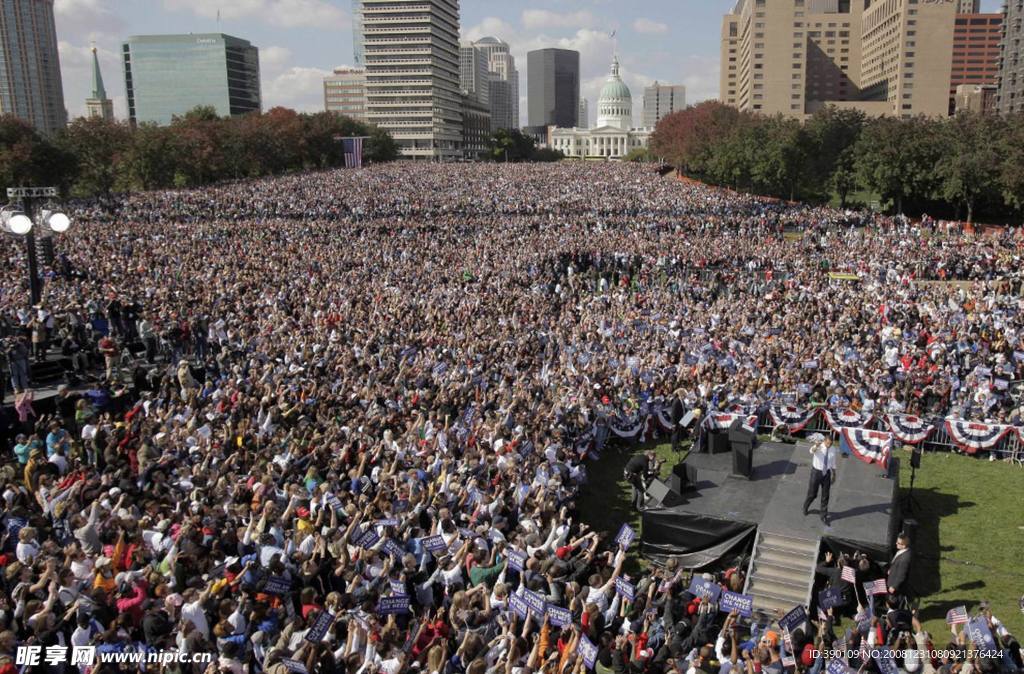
(892, 57)
(474, 73)
(168, 75)
(968, 6)
(553, 87)
(976, 39)
(30, 84)
(1010, 92)
(411, 56)
(583, 118)
(98, 105)
(358, 52)
(503, 83)
(661, 100)
(345, 92)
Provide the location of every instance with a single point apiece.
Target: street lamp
(23, 223)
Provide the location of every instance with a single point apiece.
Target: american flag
(353, 149)
(849, 574)
(957, 616)
(876, 587)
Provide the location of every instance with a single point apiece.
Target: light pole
(25, 222)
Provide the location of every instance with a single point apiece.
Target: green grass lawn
(969, 545)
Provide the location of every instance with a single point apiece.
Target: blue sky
(673, 41)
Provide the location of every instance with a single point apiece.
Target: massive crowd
(337, 418)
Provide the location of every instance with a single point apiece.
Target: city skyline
(302, 41)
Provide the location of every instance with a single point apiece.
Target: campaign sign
(398, 603)
(392, 549)
(435, 544)
(277, 585)
(793, 620)
(294, 666)
(625, 588)
(705, 588)
(335, 503)
(397, 587)
(388, 522)
(831, 596)
(837, 667)
(743, 604)
(516, 560)
(318, 631)
(588, 651)
(516, 603)
(368, 538)
(558, 616)
(886, 664)
(980, 634)
(625, 537)
(535, 602)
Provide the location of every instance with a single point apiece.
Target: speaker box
(683, 478)
(661, 493)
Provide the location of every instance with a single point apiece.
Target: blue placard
(397, 603)
(837, 667)
(625, 537)
(587, 650)
(831, 596)
(625, 588)
(435, 544)
(294, 666)
(277, 585)
(387, 522)
(335, 503)
(558, 616)
(516, 603)
(393, 549)
(886, 664)
(743, 604)
(705, 588)
(319, 629)
(793, 620)
(535, 602)
(980, 634)
(397, 587)
(516, 560)
(368, 539)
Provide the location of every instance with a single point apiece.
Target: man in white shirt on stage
(823, 474)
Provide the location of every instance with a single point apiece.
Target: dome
(615, 105)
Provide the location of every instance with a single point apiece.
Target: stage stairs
(781, 572)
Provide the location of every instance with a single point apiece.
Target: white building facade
(613, 136)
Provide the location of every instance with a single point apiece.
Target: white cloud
(89, 18)
(644, 25)
(274, 58)
(279, 13)
(700, 77)
(299, 88)
(539, 19)
(491, 26)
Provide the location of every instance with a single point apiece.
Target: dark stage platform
(725, 510)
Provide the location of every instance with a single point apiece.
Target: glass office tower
(168, 75)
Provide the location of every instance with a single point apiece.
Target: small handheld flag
(849, 574)
(876, 587)
(957, 616)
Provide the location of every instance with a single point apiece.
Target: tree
(1011, 166)
(380, 147)
(897, 158)
(100, 147)
(832, 132)
(546, 154)
(29, 158)
(510, 145)
(969, 171)
(639, 154)
(148, 162)
(197, 140)
(688, 138)
(779, 157)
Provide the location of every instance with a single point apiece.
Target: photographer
(638, 472)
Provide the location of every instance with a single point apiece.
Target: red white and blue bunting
(794, 418)
(845, 419)
(909, 429)
(721, 421)
(971, 436)
(867, 445)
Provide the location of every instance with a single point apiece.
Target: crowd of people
(331, 422)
